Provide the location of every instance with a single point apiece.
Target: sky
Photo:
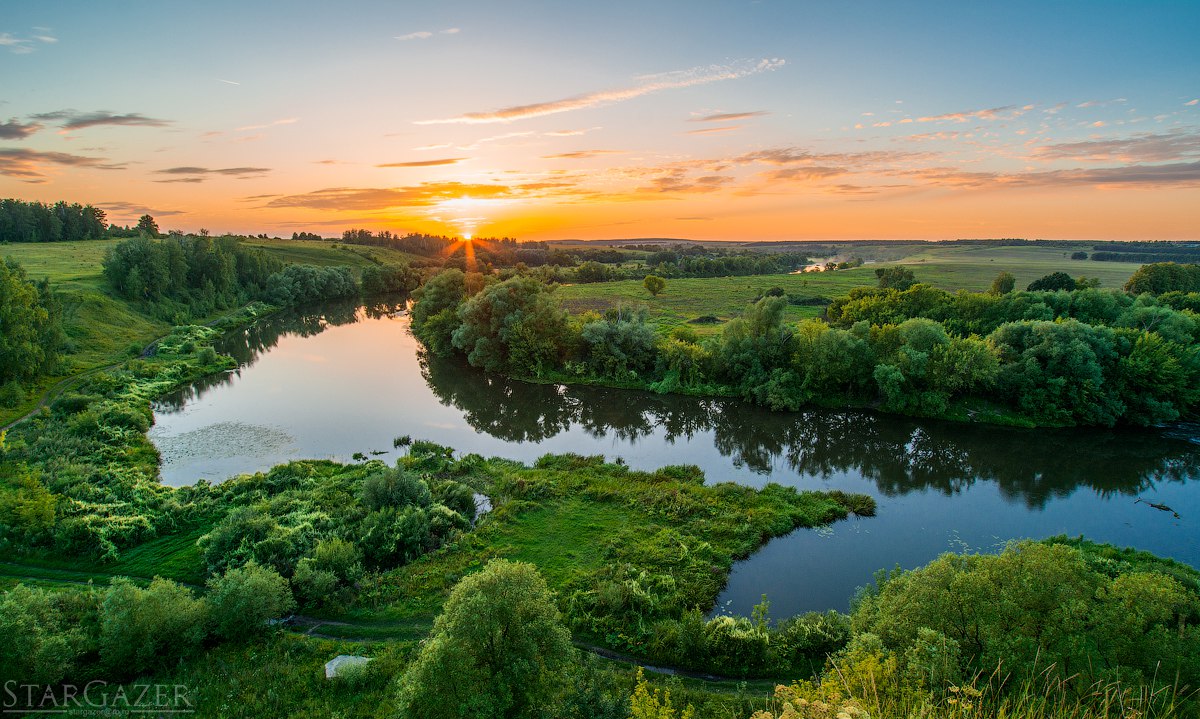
(747, 120)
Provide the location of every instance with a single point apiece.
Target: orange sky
(722, 121)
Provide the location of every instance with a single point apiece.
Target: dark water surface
(349, 379)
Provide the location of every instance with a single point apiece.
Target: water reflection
(347, 379)
(250, 343)
(899, 455)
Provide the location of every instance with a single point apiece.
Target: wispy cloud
(276, 123)
(1151, 147)
(75, 120)
(426, 34)
(134, 209)
(425, 163)
(436, 146)
(569, 133)
(580, 154)
(423, 195)
(1192, 103)
(646, 85)
(30, 165)
(993, 113)
(494, 138)
(730, 116)
(713, 130)
(23, 45)
(1180, 174)
(14, 130)
(227, 82)
(197, 174)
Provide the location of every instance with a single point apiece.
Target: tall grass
(875, 689)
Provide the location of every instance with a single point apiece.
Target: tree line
(1057, 358)
(186, 276)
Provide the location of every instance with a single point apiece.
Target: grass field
(951, 268)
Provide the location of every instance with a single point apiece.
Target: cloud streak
(992, 113)
(14, 130)
(24, 45)
(426, 34)
(75, 120)
(580, 154)
(425, 163)
(647, 85)
(1156, 147)
(730, 116)
(197, 174)
(29, 165)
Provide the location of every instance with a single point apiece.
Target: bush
(152, 628)
(498, 649)
(394, 487)
(243, 599)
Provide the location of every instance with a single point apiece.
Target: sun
(466, 237)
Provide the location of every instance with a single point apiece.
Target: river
(349, 379)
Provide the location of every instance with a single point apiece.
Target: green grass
(329, 254)
(948, 267)
(175, 556)
(564, 538)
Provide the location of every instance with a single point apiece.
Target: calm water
(349, 379)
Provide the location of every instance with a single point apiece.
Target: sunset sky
(708, 120)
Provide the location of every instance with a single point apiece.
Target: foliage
(383, 279)
(618, 346)
(648, 703)
(1004, 283)
(895, 278)
(498, 649)
(32, 340)
(1051, 282)
(435, 310)
(60, 222)
(196, 273)
(1161, 277)
(141, 629)
(1036, 608)
(654, 284)
(512, 326)
(300, 284)
(243, 599)
(43, 636)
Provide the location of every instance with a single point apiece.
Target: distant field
(950, 268)
(328, 253)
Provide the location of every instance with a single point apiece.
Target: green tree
(1051, 282)
(435, 310)
(42, 638)
(147, 226)
(1003, 284)
(499, 649)
(515, 326)
(654, 284)
(144, 629)
(895, 278)
(243, 599)
(31, 334)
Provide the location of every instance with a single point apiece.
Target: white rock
(334, 667)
